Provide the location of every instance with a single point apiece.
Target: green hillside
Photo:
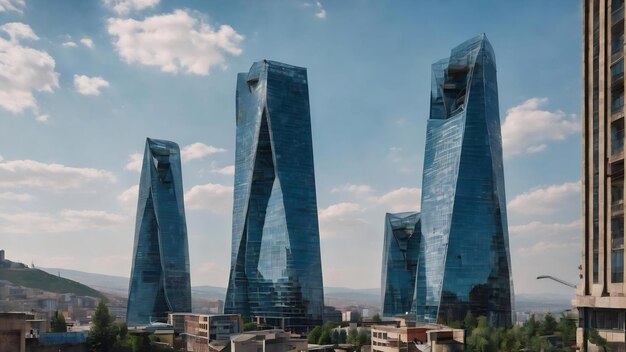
(37, 279)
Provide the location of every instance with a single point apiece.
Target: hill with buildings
(24, 276)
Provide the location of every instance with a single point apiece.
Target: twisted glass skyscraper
(465, 249)
(400, 257)
(276, 271)
(159, 280)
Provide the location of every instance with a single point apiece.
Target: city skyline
(49, 187)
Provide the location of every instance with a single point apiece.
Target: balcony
(616, 168)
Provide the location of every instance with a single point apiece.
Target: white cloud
(402, 199)
(12, 5)
(43, 118)
(556, 248)
(353, 189)
(129, 197)
(226, 170)
(69, 44)
(321, 12)
(18, 197)
(124, 7)
(134, 162)
(545, 200)
(89, 85)
(56, 177)
(543, 230)
(87, 42)
(340, 210)
(527, 127)
(62, 222)
(213, 197)
(198, 151)
(24, 70)
(174, 42)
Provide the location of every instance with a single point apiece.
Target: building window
(617, 102)
(617, 264)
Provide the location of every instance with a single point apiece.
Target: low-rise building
(200, 330)
(430, 337)
(267, 341)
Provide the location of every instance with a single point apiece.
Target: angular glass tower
(400, 257)
(159, 280)
(465, 248)
(276, 271)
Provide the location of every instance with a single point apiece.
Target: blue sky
(83, 83)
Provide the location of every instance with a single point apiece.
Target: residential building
(464, 261)
(267, 341)
(429, 337)
(159, 281)
(201, 330)
(400, 256)
(601, 299)
(276, 271)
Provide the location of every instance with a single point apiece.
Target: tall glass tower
(276, 271)
(400, 257)
(159, 280)
(465, 245)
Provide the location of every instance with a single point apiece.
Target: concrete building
(601, 299)
(267, 341)
(430, 337)
(203, 332)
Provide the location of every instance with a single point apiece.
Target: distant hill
(38, 279)
(100, 282)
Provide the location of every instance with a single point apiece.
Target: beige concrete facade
(600, 294)
(430, 337)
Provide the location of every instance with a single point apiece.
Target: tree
(343, 336)
(314, 335)
(548, 325)
(376, 318)
(250, 326)
(57, 323)
(597, 340)
(567, 329)
(324, 338)
(363, 338)
(469, 323)
(102, 334)
(334, 337)
(480, 339)
(353, 336)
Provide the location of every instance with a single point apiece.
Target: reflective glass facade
(276, 270)
(466, 263)
(400, 257)
(159, 280)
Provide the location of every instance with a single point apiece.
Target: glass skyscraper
(400, 257)
(276, 271)
(159, 280)
(465, 262)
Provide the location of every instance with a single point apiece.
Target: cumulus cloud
(55, 177)
(62, 222)
(559, 247)
(124, 7)
(18, 197)
(69, 44)
(134, 162)
(87, 42)
(213, 197)
(24, 69)
(529, 127)
(543, 230)
(129, 197)
(12, 5)
(43, 118)
(86, 85)
(341, 219)
(226, 170)
(354, 189)
(402, 199)
(545, 200)
(321, 12)
(198, 151)
(174, 42)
